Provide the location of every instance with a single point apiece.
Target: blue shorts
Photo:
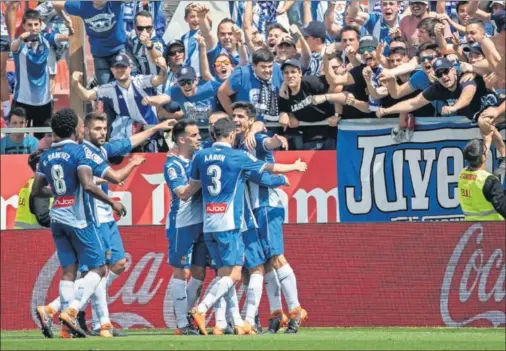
(187, 246)
(253, 251)
(112, 239)
(4, 44)
(270, 229)
(226, 248)
(82, 246)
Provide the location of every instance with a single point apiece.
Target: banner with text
(380, 180)
(310, 198)
(374, 275)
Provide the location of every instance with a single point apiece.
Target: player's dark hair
(460, 3)
(262, 55)
(31, 14)
(476, 21)
(275, 26)
(474, 152)
(34, 158)
(94, 116)
(428, 24)
(348, 28)
(180, 128)
(222, 128)
(142, 13)
(250, 109)
(64, 123)
(399, 50)
(17, 111)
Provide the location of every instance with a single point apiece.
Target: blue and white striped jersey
(221, 171)
(191, 48)
(177, 171)
(59, 166)
(99, 156)
(32, 72)
(128, 102)
(140, 53)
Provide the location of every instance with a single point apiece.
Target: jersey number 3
(215, 173)
(58, 179)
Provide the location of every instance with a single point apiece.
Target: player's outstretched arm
(141, 137)
(86, 179)
(186, 192)
(297, 166)
(117, 176)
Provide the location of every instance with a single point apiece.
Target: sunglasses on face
(223, 62)
(175, 52)
(186, 82)
(441, 73)
(141, 28)
(429, 58)
(366, 49)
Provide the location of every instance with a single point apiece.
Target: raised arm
(205, 70)
(224, 93)
(161, 78)
(473, 10)
(83, 93)
(332, 28)
(205, 27)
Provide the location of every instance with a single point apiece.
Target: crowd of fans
(334, 60)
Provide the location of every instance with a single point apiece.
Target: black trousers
(36, 115)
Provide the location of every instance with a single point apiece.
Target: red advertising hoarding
(311, 197)
(391, 274)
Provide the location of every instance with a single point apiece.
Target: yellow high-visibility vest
(24, 218)
(472, 201)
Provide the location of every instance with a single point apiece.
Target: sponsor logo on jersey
(216, 208)
(64, 201)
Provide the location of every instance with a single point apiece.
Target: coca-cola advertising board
(311, 197)
(390, 274)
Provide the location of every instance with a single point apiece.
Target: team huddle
(224, 214)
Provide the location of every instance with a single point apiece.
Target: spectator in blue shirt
(31, 51)
(18, 143)
(258, 83)
(104, 24)
(195, 97)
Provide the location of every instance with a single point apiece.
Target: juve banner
(380, 180)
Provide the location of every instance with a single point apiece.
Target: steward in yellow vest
(481, 195)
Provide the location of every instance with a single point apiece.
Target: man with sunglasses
(175, 58)
(481, 195)
(144, 45)
(459, 98)
(194, 96)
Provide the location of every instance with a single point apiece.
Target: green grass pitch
(306, 339)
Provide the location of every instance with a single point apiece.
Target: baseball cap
(291, 62)
(186, 73)
(497, 2)
(174, 42)
(287, 40)
(421, 1)
(368, 41)
(314, 29)
(498, 20)
(441, 63)
(121, 60)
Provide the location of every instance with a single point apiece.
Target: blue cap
(441, 63)
(121, 60)
(314, 29)
(186, 73)
(291, 62)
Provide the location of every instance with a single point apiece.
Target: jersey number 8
(215, 172)
(58, 179)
